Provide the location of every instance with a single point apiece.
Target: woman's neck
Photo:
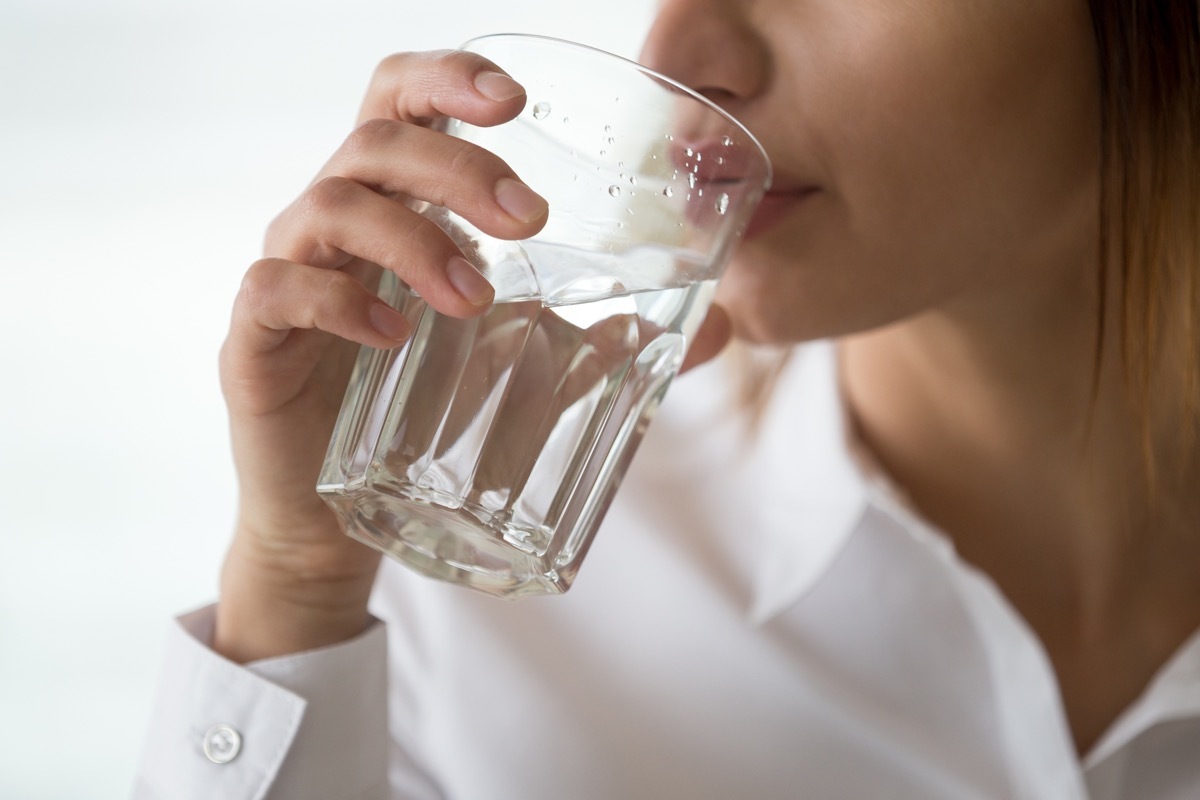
(995, 425)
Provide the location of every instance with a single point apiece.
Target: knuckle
(339, 298)
(259, 282)
(475, 172)
(330, 194)
(370, 135)
(471, 162)
(398, 65)
(462, 61)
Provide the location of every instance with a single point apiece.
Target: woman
(958, 555)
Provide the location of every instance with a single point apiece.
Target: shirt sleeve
(309, 725)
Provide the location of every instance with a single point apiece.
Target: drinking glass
(485, 451)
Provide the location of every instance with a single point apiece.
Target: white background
(144, 145)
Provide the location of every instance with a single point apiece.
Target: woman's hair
(1149, 59)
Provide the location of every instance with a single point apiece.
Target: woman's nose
(709, 46)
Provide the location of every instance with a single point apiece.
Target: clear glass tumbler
(485, 451)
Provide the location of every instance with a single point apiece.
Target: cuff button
(222, 744)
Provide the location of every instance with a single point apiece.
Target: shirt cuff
(308, 725)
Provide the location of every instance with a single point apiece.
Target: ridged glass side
(486, 451)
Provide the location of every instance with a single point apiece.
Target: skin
(935, 207)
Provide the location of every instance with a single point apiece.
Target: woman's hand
(292, 580)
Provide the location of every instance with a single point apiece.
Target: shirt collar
(1173, 694)
(813, 491)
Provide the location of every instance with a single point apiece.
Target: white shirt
(759, 617)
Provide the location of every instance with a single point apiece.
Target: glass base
(449, 544)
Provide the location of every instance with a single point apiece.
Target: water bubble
(668, 191)
(725, 140)
(541, 110)
(722, 204)
(614, 190)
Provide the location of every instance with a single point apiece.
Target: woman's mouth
(775, 205)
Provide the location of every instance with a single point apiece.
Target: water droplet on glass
(720, 160)
(725, 140)
(608, 128)
(669, 138)
(603, 153)
(541, 110)
(689, 152)
(610, 140)
(566, 120)
(614, 190)
(691, 180)
(722, 203)
(633, 180)
(620, 224)
(630, 210)
(668, 191)
(699, 157)
(700, 193)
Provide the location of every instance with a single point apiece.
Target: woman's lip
(774, 206)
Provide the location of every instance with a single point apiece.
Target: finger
(339, 219)
(398, 158)
(278, 296)
(710, 340)
(417, 87)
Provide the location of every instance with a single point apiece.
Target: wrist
(265, 612)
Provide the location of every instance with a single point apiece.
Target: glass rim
(658, 76)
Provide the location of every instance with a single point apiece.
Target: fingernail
(388, 321)
(498, 86)
(521, 202)
(468, 282)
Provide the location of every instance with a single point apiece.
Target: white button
(222, 744)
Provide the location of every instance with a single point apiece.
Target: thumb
(710, 340)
